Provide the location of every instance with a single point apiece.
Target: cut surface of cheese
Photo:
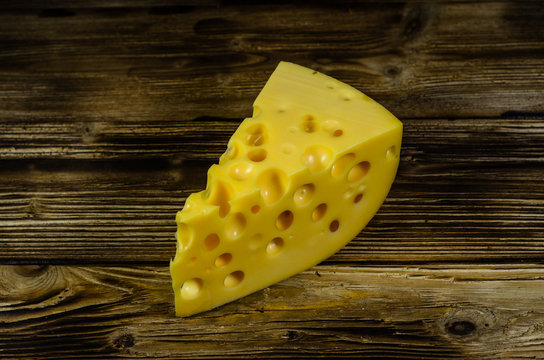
(299, 180)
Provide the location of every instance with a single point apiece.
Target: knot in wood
(124, 341)
(460, 328)
(292, 335)
(30, 270)
(89, 132)
(392, 71)
(33, 208)
(468, 323)
(416, 18)
(412, 28)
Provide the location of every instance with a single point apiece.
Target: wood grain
(118, 216)
(466, 190)
(83, 75)
(447, 312)
(111, 113)
(513, 138)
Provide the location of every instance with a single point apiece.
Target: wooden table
(111, 113)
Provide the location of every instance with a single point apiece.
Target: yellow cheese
(298, 181)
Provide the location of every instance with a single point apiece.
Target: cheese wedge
(299, 180)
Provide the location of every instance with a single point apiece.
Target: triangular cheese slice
(298, 181)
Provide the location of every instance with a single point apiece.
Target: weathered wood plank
(511, 139)
(164, 7)
(114, 212)
(457, 312)
(108, 66)
(111, 112)
(62, 8)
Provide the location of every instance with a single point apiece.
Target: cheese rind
(299, 180)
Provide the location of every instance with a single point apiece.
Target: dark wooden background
(111, 113)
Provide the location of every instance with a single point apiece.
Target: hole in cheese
(359, 171)
(232, 152)
(341, 165)
(319, 212)
(317, 158)
(308, 124)
(241, 171)
(358, 198)
(257, 111)
(211, 242)
(255, 140)
(273, 184)
(287, 149)
(309, 127)
(349, 193)
(303, 195)
(235, 225)
(391, 153)
(330, 125)
(191, 288)
(220, 194)
(347, 95)
(334, 225)
(284, 220)
(274, 246)
(223, 260)
(256, 134)
(234, 279)
(183, 235)
(257, 155)
(255, 209)
(333, 128)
